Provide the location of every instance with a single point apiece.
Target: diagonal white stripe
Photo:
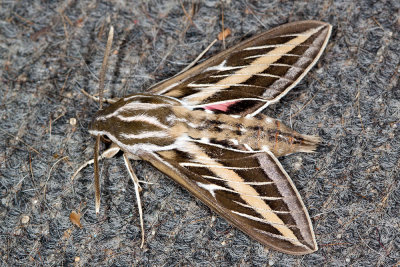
(226, 180)
(213, 187)
(147, 134)
(148, 119)
(263, 210)
(190, 164)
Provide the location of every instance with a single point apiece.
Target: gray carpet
(49, 51)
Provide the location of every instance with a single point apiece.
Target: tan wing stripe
(257, 66)
(250, 207)
(225, 180)
(247, 192)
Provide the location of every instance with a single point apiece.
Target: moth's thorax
(137, 122)
(259, 133)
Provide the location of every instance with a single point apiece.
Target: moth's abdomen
(271, 134)
(259, 133)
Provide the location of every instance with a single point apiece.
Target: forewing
(253, 74)
(251, 190)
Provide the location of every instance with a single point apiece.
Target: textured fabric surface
(51, 50)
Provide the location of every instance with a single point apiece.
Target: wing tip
(306, 248)
(311, 247)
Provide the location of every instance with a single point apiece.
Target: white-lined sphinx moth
(203, 128)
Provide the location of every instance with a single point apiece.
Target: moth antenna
(97, 145)
(104, 65)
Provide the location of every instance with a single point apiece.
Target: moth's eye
(105, 139)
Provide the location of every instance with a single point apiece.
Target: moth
(204, 129)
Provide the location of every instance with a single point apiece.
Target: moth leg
(135, 181)
(109, 153)
(134, 157)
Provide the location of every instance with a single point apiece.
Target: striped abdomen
(260, 133)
